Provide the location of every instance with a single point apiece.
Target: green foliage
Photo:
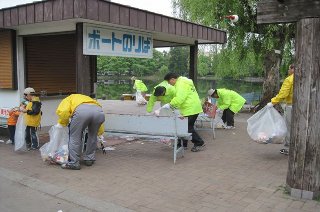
(247, 41)
(178, 60)
(131, 66)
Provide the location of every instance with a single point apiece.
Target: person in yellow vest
(141, 90)
(230, 102)
(32, 116)
(187, 101)
(79, 112)
(162, 92)
(285, 95)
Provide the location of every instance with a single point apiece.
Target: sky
(157, 6)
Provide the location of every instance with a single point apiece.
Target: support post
(85, 65)
(193, 69)
(303, 177)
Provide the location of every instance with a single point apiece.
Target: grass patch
(285, 190)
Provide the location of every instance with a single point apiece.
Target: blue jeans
(12, 130)
(31, 137)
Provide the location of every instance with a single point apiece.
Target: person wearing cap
(230, 102)
(187, 101)
(32, 115)
(285, 95)
(162, 92)
(139, 85)
(141, 90)
(80, 112)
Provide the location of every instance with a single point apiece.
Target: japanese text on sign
(99, 40)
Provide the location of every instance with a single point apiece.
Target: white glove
(101, 139)
(59, 126)
(157, 112)
(166, 106)
(269, 105)
(219, 111)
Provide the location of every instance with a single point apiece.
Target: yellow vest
(32, 120)
(286, 92)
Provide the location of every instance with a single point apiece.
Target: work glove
(269, 105)
(166, 106)
(59, 126)
(101, 139)
(157, 112)
(219, 111)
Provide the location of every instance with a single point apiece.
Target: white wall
(49, 107)
(9, 98)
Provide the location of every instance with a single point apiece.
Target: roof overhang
(54, 16)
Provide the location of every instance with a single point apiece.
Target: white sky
(157, 6)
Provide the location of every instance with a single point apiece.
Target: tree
(178, 60)
(248, 43)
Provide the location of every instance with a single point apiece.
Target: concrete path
(233, 173)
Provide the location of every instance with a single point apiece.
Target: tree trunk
(303, 175)
(272, 62)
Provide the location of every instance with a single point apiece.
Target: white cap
(133, 78)
(29, 91)
(211, 91)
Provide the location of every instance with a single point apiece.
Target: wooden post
(84, 66)
(303, 175)
(193, 70)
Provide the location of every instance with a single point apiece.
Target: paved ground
(232, 174)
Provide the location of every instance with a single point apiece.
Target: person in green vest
(187, 101)
(141, 90)
(162, 92)
(230, 102)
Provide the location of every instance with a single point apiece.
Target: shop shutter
(51, 64)
(7, 59)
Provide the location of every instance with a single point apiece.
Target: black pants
(12, 130)
(228, 116)
(196, 139)
(31, 137)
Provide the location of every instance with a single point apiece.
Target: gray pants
(86, 115)
(287, 117)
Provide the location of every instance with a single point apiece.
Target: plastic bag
(267, 126)
(19, 136)
(140, 99)
(209, 109)
(61, 155)
(59, 137)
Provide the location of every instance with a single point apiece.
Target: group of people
(31, 109)
(79, 112)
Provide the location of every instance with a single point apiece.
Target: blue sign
(100, 40)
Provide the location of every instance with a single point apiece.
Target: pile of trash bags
(56, 150)
(267, 126)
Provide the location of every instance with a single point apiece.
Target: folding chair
(208, 116)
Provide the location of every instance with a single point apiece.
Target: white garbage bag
(140, 99)
(19, 136)
(267, 126)
(56, 150)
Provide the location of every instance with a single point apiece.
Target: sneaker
(197, 148)
(229, 128)
(34, 148)
(284, 151)
(69, 166)
(88, 162)
(9, 142)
